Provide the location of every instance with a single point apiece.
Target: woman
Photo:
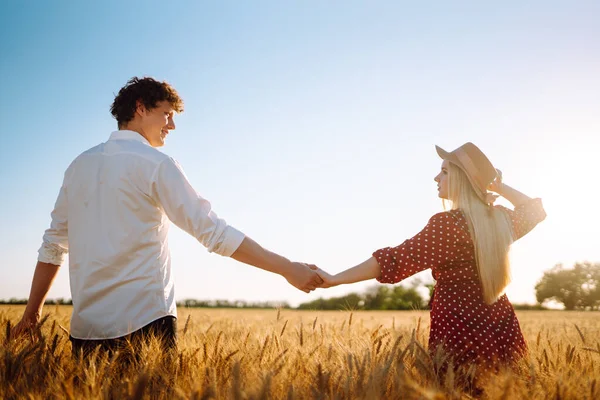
(472, 321)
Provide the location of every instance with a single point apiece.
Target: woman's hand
(328, 279)
(496, 186)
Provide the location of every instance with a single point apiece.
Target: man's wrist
(282, 266)
(33, 316)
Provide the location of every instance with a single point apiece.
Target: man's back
(119, 257)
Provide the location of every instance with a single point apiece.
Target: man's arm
(297, 274)
(42, 280)
(194, 214)
(51, 255)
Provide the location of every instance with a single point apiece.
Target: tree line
(576, 288)
(182, 303)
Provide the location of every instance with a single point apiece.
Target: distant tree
(525, 306)
(15, 301)
(231, 304)
(351, 301)
(393, 298)
(575, 288)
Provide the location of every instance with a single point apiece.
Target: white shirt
(112, 217)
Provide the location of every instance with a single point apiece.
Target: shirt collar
(128, 135)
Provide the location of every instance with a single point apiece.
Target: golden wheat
(285, 354)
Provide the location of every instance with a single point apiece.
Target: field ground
(256, 354)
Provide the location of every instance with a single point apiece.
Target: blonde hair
(491, 232)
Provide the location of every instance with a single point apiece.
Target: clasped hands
(308, 277)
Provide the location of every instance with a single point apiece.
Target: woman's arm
(515, 197)
(429, 248)
(368, 269)
(527, 212)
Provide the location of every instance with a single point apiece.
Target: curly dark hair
(149, 92)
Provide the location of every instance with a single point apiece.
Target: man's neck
(134, 128)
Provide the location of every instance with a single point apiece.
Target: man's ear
(140, 108)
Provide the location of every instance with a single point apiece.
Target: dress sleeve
(525, 216)
(431, 247)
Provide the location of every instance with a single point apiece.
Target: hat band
(469, 166)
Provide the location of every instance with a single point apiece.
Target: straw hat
(475, 165)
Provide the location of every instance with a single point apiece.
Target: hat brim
(445, 155)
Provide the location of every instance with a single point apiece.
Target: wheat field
(288, 354)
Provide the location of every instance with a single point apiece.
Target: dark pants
(164, 329)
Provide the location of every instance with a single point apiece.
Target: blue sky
(310, 125)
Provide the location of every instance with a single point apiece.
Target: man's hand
(27, 324)
(302, 276)
(297, 274)
(42, 280)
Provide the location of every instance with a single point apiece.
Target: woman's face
(442, 181)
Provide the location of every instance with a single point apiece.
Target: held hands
(303, 277)
(308, 277)
(368, 269)
(328, 280)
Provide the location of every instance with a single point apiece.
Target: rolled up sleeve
(55, 245)
(192, 213)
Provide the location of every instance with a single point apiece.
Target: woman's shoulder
(449, 218)
(451, 221)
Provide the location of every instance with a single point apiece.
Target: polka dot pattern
(461, 322)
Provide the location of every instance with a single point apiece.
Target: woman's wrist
(337, 279)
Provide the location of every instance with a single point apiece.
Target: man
(112, 216)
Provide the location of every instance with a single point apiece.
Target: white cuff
(232, 238)
(51, 254)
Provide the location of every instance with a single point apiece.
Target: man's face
(156, 122)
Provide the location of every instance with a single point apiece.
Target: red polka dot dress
(461, 322)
